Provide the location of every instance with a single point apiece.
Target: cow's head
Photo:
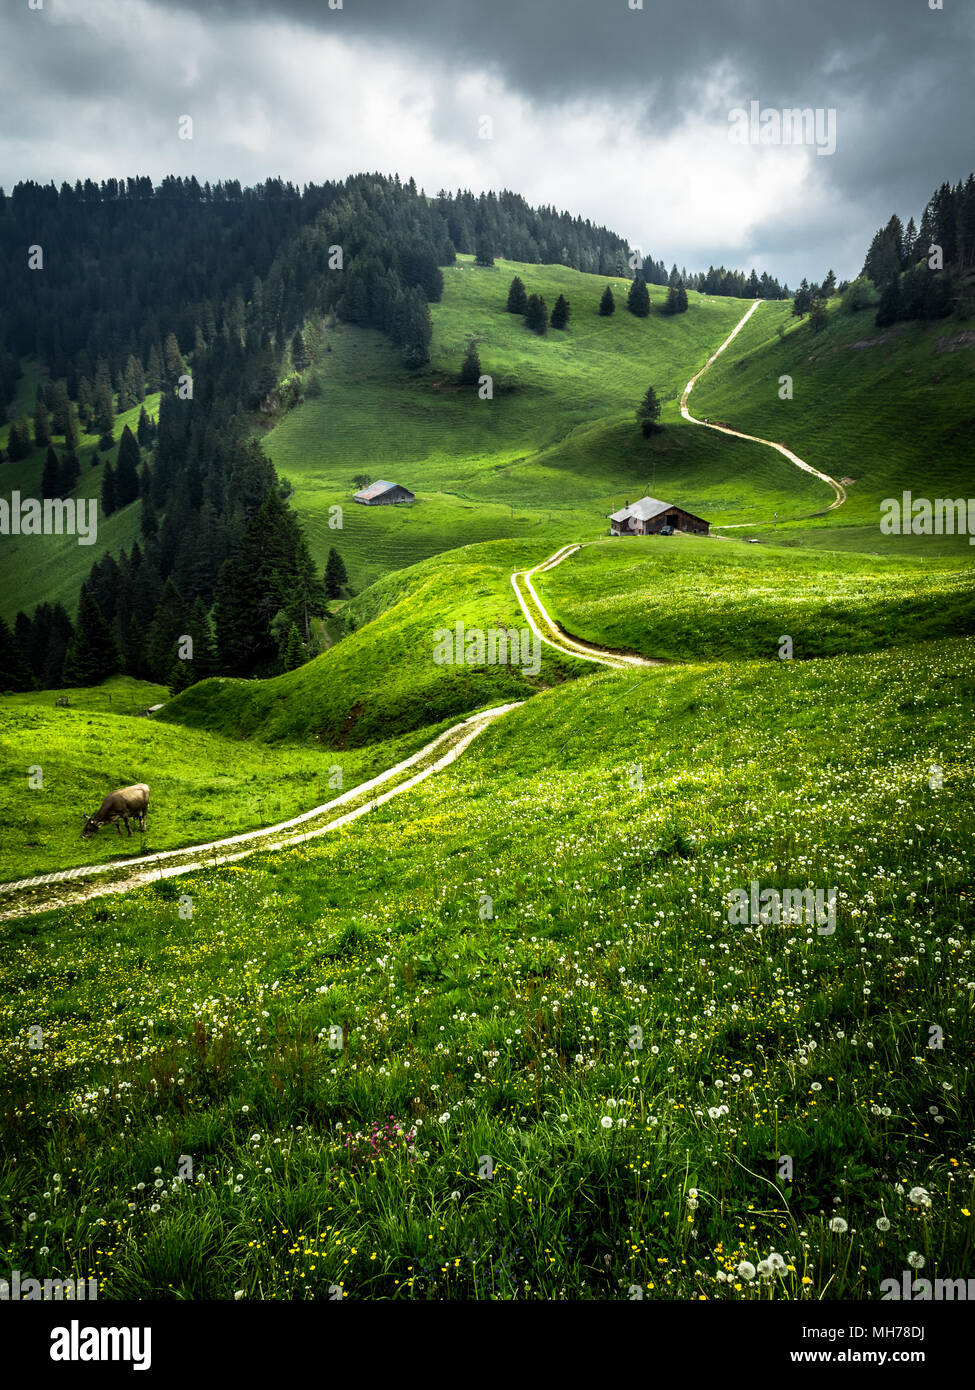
(89, 828)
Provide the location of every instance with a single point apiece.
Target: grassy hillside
(555, 450)
(631, 1063)
(39, 569)
(891, 408)
(693, 598)
(202, 786)
(382, 681)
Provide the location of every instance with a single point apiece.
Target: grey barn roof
(375, 489)
(644, 510)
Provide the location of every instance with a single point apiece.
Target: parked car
(666, 531)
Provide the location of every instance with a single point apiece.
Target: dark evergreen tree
(70, 472)
(15, 674)
(42, 425)
(170, 622)
(51, 474)
(59, 638)
(648, 412)
(470, 371)
(607, 305)
(336, 578)
(517, 297)
(18, 442)
(299, 353)
(144, 430)
(93, 655)
(638, 300)
(294, 652)
(127, 469)
(109, 503)
(484, 254)
(818, 317)
(536, 314)
(889, 307)
(561, 313)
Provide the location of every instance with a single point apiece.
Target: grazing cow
(119, 806)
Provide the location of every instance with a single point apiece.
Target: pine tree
(93, 655)
(561, 313)
(175, 366)
(154, 369)
(517, 297)
(109, 504)
(294, 652)
(126, 469)
(648, 412)
(888, 310)
(638, 300)
(681, 300)
(607, 305)
(470, 371)
(818, 317)
(42, 425)
(60, 636)
(336, 578)
(803, 299)
(18, 441)
(103, 412)
(15, 674)
(70, 472)
(170, 622)
(484, 254)
(536, 314)
(51, 475)
(143, 431)
(299, 353)
(204, 647)
(828, 288)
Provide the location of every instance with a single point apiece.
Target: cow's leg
(128, 828)
(118, 825)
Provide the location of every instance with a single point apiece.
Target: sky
(622, 111)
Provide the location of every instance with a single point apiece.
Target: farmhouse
(383, 494)
(649, 516)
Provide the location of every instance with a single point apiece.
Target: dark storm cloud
(909, 66)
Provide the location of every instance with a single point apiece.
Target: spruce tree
(143, 430)
(170, 622)
(51, 474)
(299, 353)
(888, 310)
(517, 297)
(18, 442)
(484, 254)
(336, 578)
(681, 300)
(470, 371)
(93, 655)
(15, 674)
(648, 412)
(560, 313)
(536, 314)
(42, 425)
(109, 504)
(607, 305)
(127, 469)
(294, 651)
(70, 472)
(638, 300)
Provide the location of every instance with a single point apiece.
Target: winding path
(66, 887)
(838, 488)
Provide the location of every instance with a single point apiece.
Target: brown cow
(119, 806)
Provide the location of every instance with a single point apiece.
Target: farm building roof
(375, 489)
(644, 510)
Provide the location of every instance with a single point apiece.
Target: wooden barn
(650, 516)
(383, 494)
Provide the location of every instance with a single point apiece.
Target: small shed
(649, 516)
(383, 494)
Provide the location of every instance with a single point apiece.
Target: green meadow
(502, 1040)
(555, 450)
(691, 598)
(203, 786)
(50, 569)
(893, 409)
